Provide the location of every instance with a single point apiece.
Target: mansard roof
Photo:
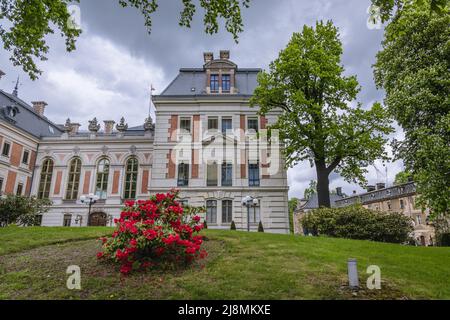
(26, 118)
(192, 82)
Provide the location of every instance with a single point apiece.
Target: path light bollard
(353, 280)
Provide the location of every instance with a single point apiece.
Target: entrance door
(97, 219)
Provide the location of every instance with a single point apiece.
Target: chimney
(339, 191)
(224, 54)
(109, 126)
(208, 56)
(74, 127)
(39, 107)
(381, 185)
(370, 188)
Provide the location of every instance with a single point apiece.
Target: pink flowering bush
(155, 231)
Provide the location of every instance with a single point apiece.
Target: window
(213, 123)
(185, 125)
(73, 182)
(226, 83)
(1, 185)
(226, 125)
(254, 215)
(227, 174)
(131, 174)
(6, 148)
(402, 204)
(19, 189)
(46, 179)
(253, 174)
(214, 83)
(183, 175)
(419, 219)
(101, 187)
(227, 209)
(211, 174)
(67, 220)
(211, 211)
(25, 157)
(252, 124)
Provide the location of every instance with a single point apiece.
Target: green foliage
(402, 177)
(260, 227)
(413, 69)
(394, 8)
(444, 240)
(292, 204)
(233, 226)
(205, 225)
(356, 222)
(318, 122)
(30, 22)
(22, 210)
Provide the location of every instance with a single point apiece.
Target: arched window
(131, 174)
(101, 187)
(73, 181)
(46, 179)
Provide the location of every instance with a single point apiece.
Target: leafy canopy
(320, 120)
(24, 24)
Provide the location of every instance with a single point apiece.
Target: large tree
(320, 119)
(389, 9)
(413, 68)
(24, 24)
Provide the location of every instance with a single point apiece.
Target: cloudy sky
(116, 60)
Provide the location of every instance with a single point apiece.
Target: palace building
(207, 141)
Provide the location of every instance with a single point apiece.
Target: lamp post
(248, 202)
(89, 199)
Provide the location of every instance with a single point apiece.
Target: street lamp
(248, 202)
(89, 199)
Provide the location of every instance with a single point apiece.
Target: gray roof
(192, 81)
(313, 202)
(27, 119)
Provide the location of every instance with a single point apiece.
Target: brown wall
(16, 154)
(115, 187)
(10, 182)
(173, 127)
(144, 187)
(87, 180)
(58, 183)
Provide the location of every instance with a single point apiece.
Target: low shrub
(356, 222)
(233, 225)
(155, 231)
(260, 227)
(444, 240)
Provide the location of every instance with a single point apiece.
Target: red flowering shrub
(149, 232)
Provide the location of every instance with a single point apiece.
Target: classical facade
(207, 141)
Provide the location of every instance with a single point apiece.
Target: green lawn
(240, 266)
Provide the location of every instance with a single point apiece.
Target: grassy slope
(240, 266)
(14, 239)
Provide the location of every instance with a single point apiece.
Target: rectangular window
(227, 209)
(252, 124)
(211, 174)
(254, 215)
(26, 155)
(183, 174)
(402, 204)
(185, 125)
(19, 189)
(253, 174)
(419, 219)
(226, 85)
(213, 123)
(67, 220)
(227, 174)
(214, 83)
(211, 211)
(226, 125)
(5, 150)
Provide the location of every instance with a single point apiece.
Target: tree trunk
(323, 191)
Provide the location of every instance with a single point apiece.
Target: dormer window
(214, 83)
(226, 83)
